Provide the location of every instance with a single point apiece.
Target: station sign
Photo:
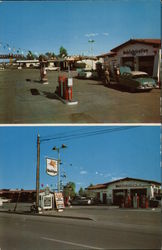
(59, 200)
(51, 166)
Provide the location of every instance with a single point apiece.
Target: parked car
(136, 80)
(87, 74)
(52, 68)
(82, 201)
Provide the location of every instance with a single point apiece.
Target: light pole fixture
(91, 41)
(59, 161)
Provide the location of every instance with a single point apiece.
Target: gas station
(127, 192)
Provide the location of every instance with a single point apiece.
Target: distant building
(18, 195)
(117, 192)
(138, 54)
(28, 63)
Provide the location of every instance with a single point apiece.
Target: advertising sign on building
(59, 201)
(51, 166)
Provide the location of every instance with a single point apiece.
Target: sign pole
(37, 172)
(58, 184)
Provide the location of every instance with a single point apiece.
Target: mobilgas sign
(134, 52)
(131, 185)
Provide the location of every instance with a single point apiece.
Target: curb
(48, 215)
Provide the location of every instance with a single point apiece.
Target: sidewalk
(67, 213)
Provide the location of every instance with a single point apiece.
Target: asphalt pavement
(108, 228)
(23, 99)
(80, 227)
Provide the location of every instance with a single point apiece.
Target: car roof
(136, 73)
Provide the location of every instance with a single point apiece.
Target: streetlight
(91, 41)
(59, 161)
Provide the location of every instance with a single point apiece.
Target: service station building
(139, 54)
(127, 192)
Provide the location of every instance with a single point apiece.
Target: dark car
(78, 200)
(136, 80)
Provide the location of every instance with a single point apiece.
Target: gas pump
(136, 201)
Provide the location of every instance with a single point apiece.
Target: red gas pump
(62, 85)
(65, 91)
(127, 201)
(144, 202)
(69, 89)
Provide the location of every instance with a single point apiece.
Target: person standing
(107, 77)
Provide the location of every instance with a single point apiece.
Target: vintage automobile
(52, 68)
(87, 74)
(78, 200)
(135, 80)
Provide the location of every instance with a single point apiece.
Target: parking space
(23, 99)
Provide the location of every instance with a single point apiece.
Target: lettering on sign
(59, 201)
(47, 201)
(131, 185)
(133, 52)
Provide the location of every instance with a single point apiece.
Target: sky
(42, 26)
(129, 152)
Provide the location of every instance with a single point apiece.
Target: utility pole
(37, 172)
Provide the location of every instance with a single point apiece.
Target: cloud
(79, 183)
(107, 175)
(116, 178)
(105, 33)
(91, 34)
(83, 172)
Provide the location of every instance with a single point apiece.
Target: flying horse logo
(51, 167)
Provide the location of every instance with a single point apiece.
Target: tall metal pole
(58, 171)
(37, 172)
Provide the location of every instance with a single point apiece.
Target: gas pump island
(64, 90)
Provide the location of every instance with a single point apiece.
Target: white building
(117, 191)
(138, 54)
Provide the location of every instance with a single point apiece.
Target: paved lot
(108, 229)
(23, 99)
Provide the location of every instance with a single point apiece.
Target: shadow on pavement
(34, 92)
(50, 95)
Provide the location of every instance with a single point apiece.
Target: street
(106, 229)
(23, 99)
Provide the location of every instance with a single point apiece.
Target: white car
(51, 68)
(87, 74)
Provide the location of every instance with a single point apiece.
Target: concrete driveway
(23, 99)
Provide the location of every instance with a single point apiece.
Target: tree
(81, 192)
(50, 55)
(63, 52)
(42, 57)
(69, 189)
(30, 55)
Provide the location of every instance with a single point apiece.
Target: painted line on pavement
(72, 243)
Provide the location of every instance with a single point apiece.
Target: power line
(78, 134)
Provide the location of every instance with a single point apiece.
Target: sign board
(51, 166)
(47, 201)
(59, 201)
(70, 82)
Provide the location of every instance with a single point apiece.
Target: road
(127, 230)
(23, 99)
